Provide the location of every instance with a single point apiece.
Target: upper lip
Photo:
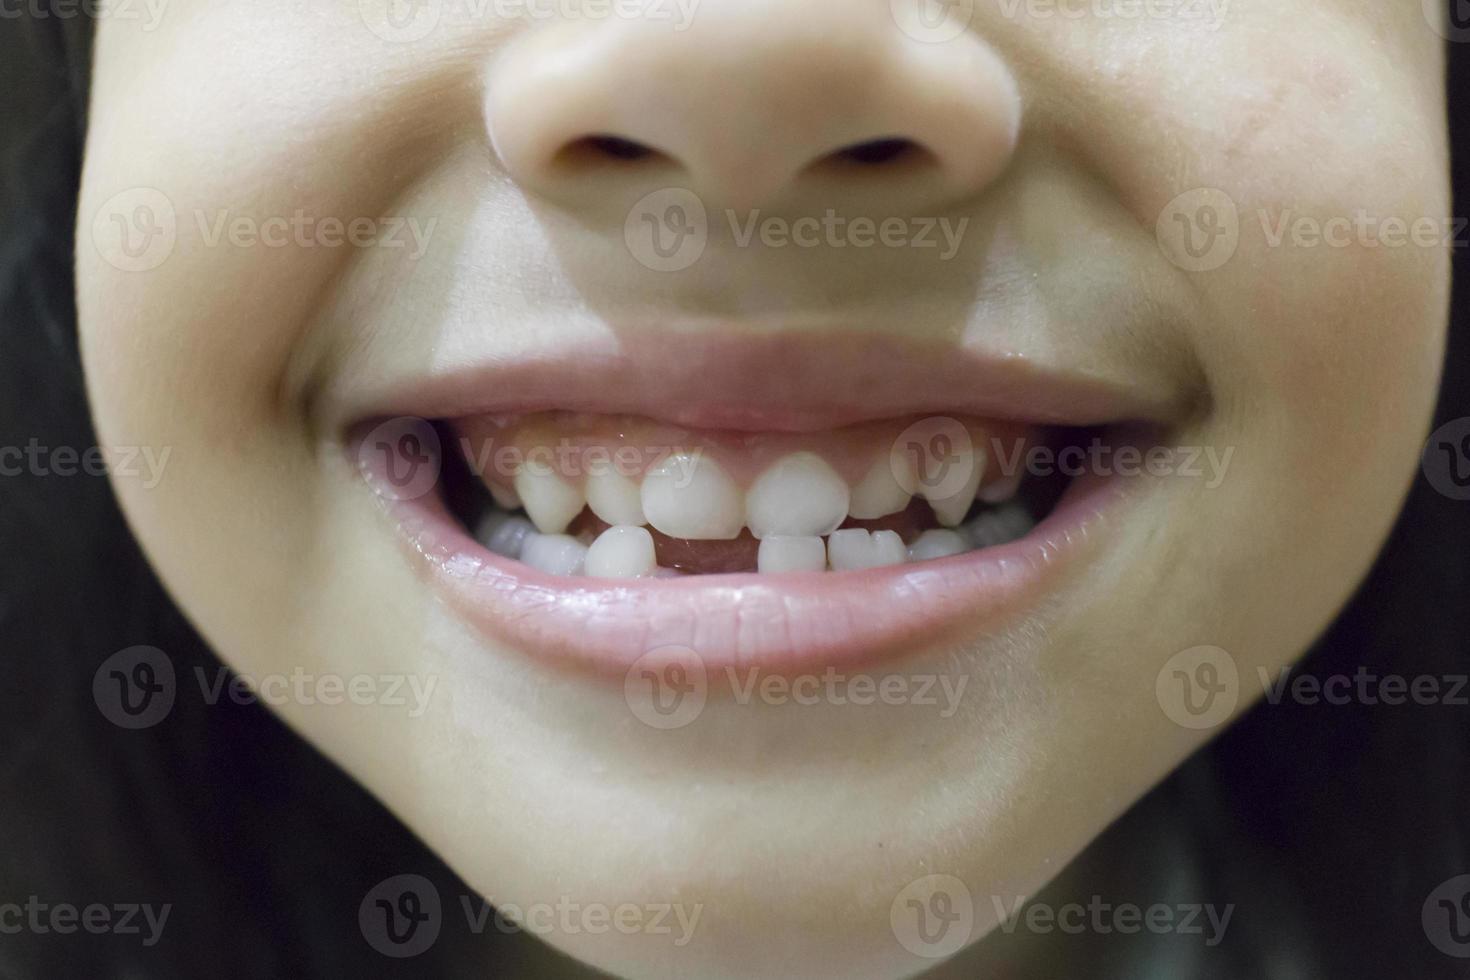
(747, 381)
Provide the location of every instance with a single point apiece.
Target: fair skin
(795, 827)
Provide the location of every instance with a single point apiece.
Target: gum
(575, 445)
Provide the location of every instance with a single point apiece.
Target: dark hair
(1326, 828)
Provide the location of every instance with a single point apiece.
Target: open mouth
(766, 501)
(602, 539)
(620, 497)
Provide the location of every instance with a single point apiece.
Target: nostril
(607, 148)
(877, 155)
(619, 148)
(880, 151)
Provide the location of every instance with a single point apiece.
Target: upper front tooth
(1003, 489)
(614, 498)
(880, 492)
(550, 501)
(554, 554)
(854, 548)
(623, 551)
(690, 496)
(941, 484)
(798, 496)
(505, 497)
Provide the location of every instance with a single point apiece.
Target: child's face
(301, 219)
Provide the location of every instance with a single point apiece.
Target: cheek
(1323, 306)
(1282, 161)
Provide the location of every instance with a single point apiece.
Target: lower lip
(784, 624)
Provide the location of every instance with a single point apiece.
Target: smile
(771, 540)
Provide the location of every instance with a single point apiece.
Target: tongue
(739, 554)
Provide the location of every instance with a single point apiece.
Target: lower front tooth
(780, 553)
(503, 534)
(690, 496)
(853, 549)
(623, 551)
(550, 501)
(937, 544)
(554, 554)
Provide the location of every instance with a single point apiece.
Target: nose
(755, 102)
